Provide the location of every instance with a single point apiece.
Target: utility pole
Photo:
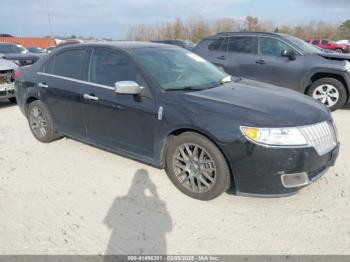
(49, 17)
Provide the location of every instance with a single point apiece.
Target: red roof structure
(43, 42)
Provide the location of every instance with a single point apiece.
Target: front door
(275, 69)
(121, 122)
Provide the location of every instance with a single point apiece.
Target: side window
(215, 45)
(272, 46)
(224, 45)
(241, 44)
(48, 67)
(316, 42)
(324, 42)
(70, 63)
(108, 67)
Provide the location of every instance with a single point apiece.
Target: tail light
(16, 74)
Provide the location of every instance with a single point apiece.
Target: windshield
(177, 69)
(12, 49)
(306, 48)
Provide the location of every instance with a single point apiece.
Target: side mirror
(128, 88)
(288, 53)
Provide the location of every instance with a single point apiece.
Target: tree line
(196, 28)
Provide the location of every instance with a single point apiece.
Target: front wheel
(41, 123)
(330, 92)
(196, 166)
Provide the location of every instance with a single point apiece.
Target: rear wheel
(13, 100)
(41, 123)
(197, 167)
(339, 50)
(330, 92)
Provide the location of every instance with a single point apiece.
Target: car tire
(41, 123)
(339, 50)
(202, 174)
(13, 100)
(329, 91)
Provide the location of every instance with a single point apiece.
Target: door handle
(43, 85)
(221, 57)
(260, 62)
(90, 97)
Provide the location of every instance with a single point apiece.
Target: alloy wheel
(194, 168)
(38, 122)
(326, 94)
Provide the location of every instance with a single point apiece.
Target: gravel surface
(70, 198)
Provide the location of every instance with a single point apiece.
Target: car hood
(7, 65)
(258, 104)
(335, 56)
(22, 56)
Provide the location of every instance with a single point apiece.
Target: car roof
(225, 34)
(123, 45)
(8, 43)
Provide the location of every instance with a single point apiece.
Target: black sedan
(168, 107)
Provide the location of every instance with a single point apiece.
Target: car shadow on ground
(139, 221)
(5, 103)
(346, 107)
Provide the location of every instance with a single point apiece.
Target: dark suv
(282, 60)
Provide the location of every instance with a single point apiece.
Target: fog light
(295, 180)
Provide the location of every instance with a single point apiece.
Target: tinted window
(316, 42)
(272, 46)
(324, 42)
(241, 44)
(108, 67)
(48, 67)
(214, 46)
(70, 63)
(224, 45)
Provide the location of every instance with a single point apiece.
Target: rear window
(241, 44)
(316, 42)
(70, 63)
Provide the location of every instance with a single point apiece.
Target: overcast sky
(111, 18)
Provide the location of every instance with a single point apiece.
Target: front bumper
(261, 171)
(7, 90)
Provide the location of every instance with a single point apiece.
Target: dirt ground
(70, 198)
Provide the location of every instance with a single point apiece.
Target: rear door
(212, 50)
(121, 122)
(240, 56)
(60, 86)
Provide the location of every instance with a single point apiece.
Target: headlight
(275, 136)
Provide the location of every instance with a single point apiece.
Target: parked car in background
(281, 60)
(170, 108)
(187, 44)
(344, 42)
(37, 50)
(18, 54)
(49, 49)
(330, 45)
(7, 80)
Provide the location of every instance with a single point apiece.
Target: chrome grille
(321, 136)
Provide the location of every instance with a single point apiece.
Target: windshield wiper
(186, 88)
